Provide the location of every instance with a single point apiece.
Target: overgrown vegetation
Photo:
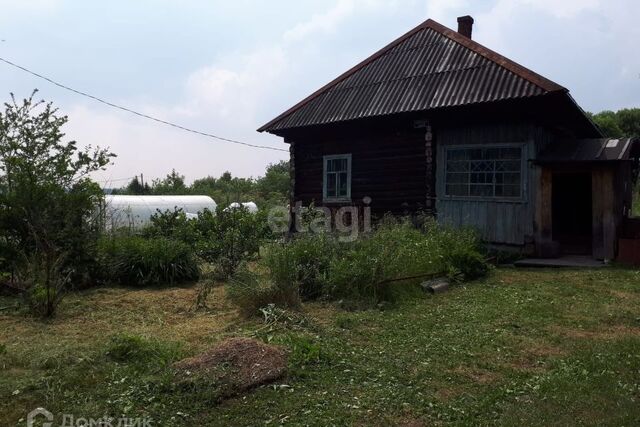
(139, 261)
(372, 269)
(48, 225)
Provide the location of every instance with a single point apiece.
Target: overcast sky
(228, 66)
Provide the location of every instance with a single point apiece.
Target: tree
(135, 187)
(624, 123)
(276, 183)
(48, 203)
(173, 183)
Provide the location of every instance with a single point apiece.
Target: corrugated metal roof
(588, 150)
(429, 67)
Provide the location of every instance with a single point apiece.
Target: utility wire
(106, 181)
(146, 116)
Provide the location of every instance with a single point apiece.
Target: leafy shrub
(470, 264)
(373, 267)
(138, 261)
(303, 262)
(135, 349)
(381, 266)
(3, 349)
(230, 237)
(45, 282)
(172, 225)
(461, 251)
(251, 292)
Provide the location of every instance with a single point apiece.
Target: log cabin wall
(388, 165)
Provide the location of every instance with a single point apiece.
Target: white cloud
(564, 8)
(232, 96)
(441, 10)
(328, 22)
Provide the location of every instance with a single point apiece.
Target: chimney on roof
(465, 25)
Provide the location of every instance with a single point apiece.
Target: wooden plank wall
(501, 222)
(605, 217)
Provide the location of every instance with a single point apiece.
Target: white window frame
(325, 160)
(523, 173)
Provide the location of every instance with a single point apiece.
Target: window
(337, 177)
(488, 172)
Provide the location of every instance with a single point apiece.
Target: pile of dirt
(235, 365)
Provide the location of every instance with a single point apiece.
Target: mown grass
(539, 347)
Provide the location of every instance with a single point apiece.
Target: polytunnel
(136, 211)
(249, 206)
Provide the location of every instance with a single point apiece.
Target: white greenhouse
(136, 211)
(249, 206)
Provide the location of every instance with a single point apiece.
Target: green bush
(251, 292)
(138, 350)
(303, 262)
(381, 266)
(229, 237)
(372, 268)
(138, 261)
(470, 264)
(173, 225)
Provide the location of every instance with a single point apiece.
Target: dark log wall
(388, 166)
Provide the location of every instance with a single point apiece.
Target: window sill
(337, 201)
(519, 200)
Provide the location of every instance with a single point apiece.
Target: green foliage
(141, 351)
(138, 261)
(173, 183)
(136, 187)
(230, 237)
(305, 352)
(274, 187)
(380, 266)
(47, 201)
(250, 292)
(622, 123)
(223, 239)
(303, 261)
(467, 263)
(173, 225)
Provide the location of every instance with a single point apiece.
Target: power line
(146, 116)
(106, 181)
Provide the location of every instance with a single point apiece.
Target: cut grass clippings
(538, 347)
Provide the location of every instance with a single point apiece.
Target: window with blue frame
(337, 177)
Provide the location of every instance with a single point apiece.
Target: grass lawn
(537, 347)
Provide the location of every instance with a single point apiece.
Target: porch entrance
(572, 212)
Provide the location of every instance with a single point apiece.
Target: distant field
(544, 347)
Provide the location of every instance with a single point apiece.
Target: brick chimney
(465, 25)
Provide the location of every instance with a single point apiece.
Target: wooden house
(437, 122)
